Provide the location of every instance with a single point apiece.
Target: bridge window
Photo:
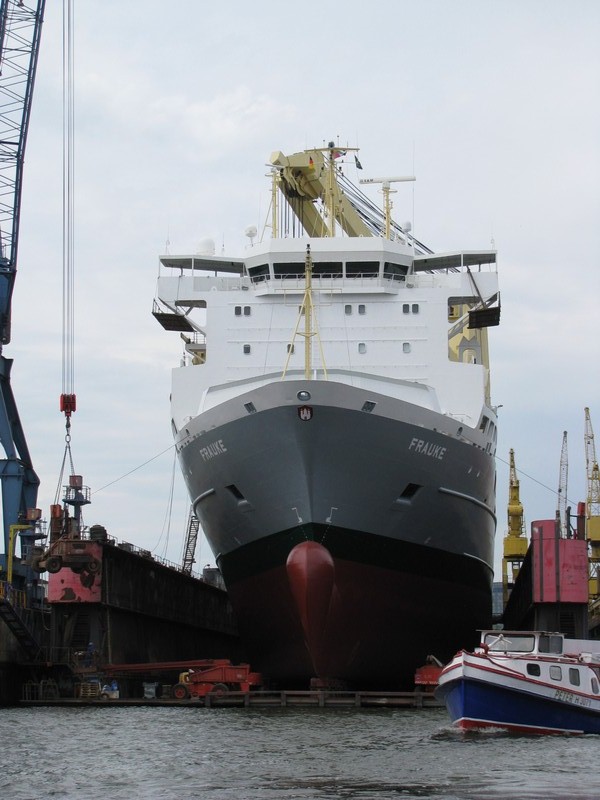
(356, 268)
(293, 270)
(331, 269)
(550, 644)
(394, 271)
(260, 273)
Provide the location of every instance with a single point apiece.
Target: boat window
(555, 673)
(510, 642)
(483, 425)
(406, 308)
(415, 308)
(356, 268)
(368, 406)
(362, 347)
(247, 311)
(348, 309)
(331, 269)
(290, 348)
(574, 678)
(246, 349)
(250, 408)
(533, 669)
(394, 271)
(260, 273)
(595, 685)
(294, 270)
(362, 309)
(406, 347)
(550, 644)
(238, 311)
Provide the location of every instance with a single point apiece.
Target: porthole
(303, 395)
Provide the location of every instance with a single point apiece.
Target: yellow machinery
(515, 541)
(592, 508)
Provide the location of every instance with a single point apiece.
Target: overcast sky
(494, 105)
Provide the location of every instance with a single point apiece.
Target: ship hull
(396, 508)
(386, 606)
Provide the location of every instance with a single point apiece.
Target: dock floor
(262, 699)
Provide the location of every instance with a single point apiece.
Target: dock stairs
(189, 550)
(19, 628)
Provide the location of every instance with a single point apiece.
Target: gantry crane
(592, 507)
(20, 29)
(515, 541)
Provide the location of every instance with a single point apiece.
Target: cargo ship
(333, 423)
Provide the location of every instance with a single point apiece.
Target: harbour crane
(563, 480)
(592, 507)
(515, 541)
(20, 30)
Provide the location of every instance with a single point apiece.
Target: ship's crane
(562, 521)
(515, 541)
(592, 507)
(20, 29)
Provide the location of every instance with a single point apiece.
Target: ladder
(189, 548)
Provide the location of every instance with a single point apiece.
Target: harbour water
(280, 754)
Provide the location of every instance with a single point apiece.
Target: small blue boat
(528, 682)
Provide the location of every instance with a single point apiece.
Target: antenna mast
(387, 203)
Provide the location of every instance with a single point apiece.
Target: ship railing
(16, 597)
(295, 281)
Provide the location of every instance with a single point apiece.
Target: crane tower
(20, 29)
(592, 507)
(515, 541)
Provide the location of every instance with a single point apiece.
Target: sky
(494, 106)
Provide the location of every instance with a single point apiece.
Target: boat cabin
(522, 642)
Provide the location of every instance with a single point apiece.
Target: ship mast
(307, 305)
(311, 328)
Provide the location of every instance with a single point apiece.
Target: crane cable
(68, 402)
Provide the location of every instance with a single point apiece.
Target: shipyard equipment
(515, 541)
(592, 507)
(215, 676)
(20, 29)
(562, 518)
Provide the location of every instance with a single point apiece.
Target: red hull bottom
(366, 626)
